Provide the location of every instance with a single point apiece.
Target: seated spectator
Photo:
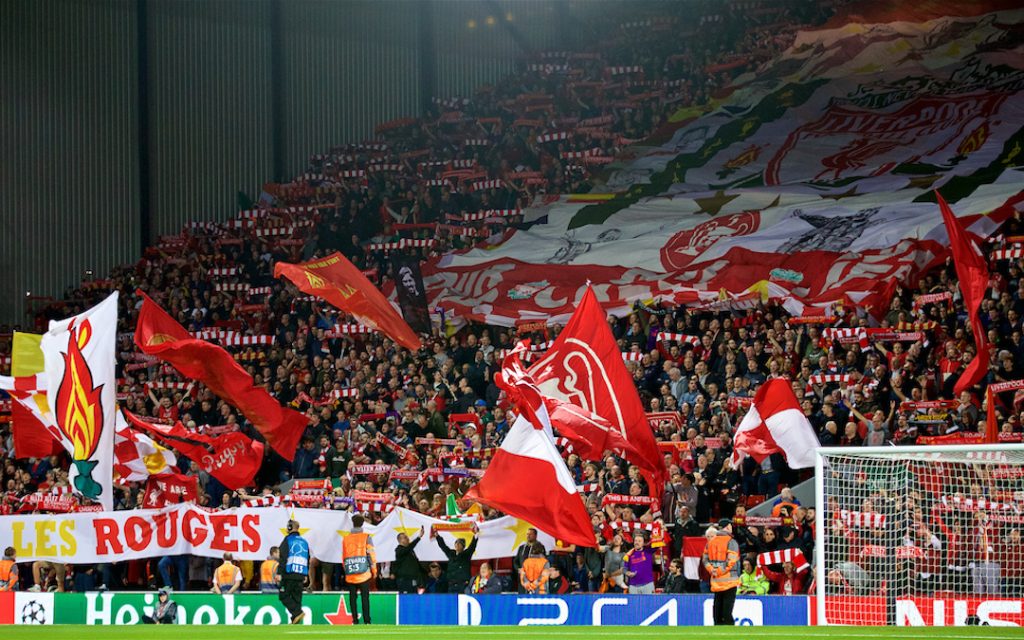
(557, 583)
(675, 581)
(165, 611)
(485, 582)
(436, 580)
(752, 580)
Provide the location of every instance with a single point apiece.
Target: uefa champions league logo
(33, 613)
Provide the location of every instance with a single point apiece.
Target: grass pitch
(80, 632)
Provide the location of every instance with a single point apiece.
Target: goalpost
(920, 535)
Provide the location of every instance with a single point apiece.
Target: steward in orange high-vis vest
(8, 571)
(270, 578)
(227, 578)
(359, 561)
(721, 559)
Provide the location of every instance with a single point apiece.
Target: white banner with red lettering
(248, 533)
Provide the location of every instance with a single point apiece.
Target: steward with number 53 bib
(359, 560)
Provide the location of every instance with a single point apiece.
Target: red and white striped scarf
(867, 519)
(845, 335)
(553, 137)
(677, 337)
(786, 555)
(238, 340)
(826, 378)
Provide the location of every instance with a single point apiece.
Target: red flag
(991, 424)
(584, 367)
(170, 488)
(528, 479)
(31, 439)
(159, 335)
(972, 272)
(341, 283)
(776, 424)
(233, 458)
(590, 434)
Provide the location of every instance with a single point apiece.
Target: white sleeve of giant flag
(775, 424)
(524, 439)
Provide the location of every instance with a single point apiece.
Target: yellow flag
(27, 360)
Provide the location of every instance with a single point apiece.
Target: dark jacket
(406, 564)
(675, 584)
(458, 563)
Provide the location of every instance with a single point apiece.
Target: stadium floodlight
(919, 535)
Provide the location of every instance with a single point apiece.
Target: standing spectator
(485, 582)
(721, 560)
(406, 568)
(227, 579)
(788, 582)
(165, 612)
(305, 459)
(8, 571)
(270, 577)
(360, 562)
(295, 572)
(533, 576)
(593, 561)
(639, 567)
(613, 570)
(180, 564)
(459, 560)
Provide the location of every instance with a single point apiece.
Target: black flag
(412, 297)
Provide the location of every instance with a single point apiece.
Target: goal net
(920, 535)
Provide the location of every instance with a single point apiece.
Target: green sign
(110, 608)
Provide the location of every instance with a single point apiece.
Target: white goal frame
(920, 451)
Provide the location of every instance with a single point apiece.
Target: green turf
(77, 632)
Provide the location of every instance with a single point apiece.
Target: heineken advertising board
(108, 608)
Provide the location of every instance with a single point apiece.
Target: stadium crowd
(417, 188)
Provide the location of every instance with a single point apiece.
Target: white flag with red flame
(81, 388)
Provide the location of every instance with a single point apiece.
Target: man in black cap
(721, 559)
(165, 611)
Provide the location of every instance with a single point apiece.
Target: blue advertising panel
(595, 610)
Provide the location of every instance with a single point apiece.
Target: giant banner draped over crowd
(771, 195)
(248, 533)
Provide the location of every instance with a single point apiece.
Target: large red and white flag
(776, 424)
(528, 479)
(584, 367)
(693, 549)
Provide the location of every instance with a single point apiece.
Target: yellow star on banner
(342, 532)
(712, 205)
(302, 531)
(401, 528)
(519, 528)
